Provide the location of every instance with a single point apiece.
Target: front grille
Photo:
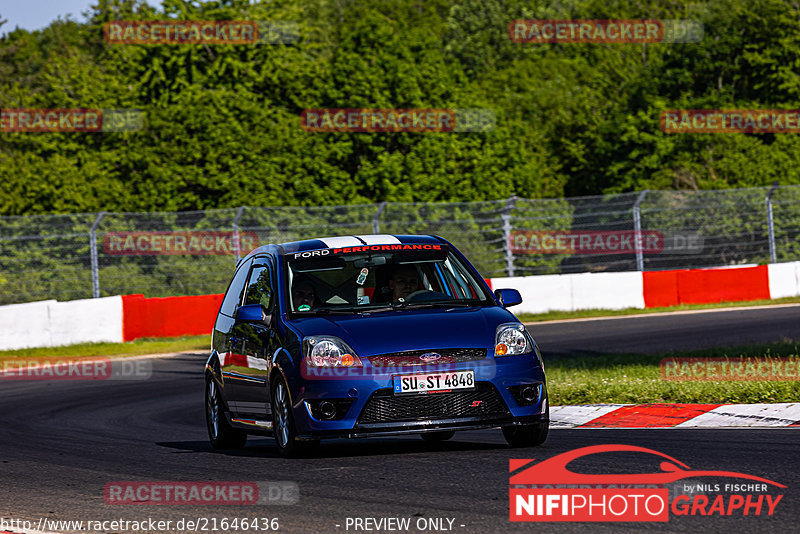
(412, 357)
(383, 407)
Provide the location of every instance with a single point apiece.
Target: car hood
(402, 330)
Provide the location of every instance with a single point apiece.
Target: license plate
(422, 384)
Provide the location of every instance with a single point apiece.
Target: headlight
(511, 340)
(328, 351)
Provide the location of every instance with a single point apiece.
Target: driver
(303, 294)
(403, 281)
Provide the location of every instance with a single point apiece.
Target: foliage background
(223, 130)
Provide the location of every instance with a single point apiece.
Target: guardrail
(116, 319)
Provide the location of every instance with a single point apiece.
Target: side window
(259, 287)
(234, 294)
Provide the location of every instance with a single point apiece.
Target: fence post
(376, 227)
(237, 248)
(506, 218)
(773, 256)
(93, 255)
(637, 230)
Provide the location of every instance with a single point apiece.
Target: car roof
(345, 241)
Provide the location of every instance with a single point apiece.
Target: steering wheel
(416, 293)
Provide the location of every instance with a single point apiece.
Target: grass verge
(636, 379)
(631, 378)
(131, 348)
(580, 314)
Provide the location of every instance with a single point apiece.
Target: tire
(283, 421)
(220, 433)
(526, 435)
(438, 436)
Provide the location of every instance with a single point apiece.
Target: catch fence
(88, 255)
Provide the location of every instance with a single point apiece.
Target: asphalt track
(657, 333)
(62, 441)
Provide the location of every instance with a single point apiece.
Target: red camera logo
(549, 491)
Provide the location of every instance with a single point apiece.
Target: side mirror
(253, 313)
(508, 297)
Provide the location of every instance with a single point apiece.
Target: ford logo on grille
(430, 356)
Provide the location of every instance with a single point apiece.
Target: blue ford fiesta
(368, 335)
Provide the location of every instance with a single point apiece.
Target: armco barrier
(50, 324)
(570, 292)
(614, 291)
(653, 289)
(705, 286)
(660, 288)
(168, 316)
(86, 321)
(25, 325)
(784, 280)
(539, 293)
(114, 319)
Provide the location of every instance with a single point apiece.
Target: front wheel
(282, 420)
(526, 435)
(221, 434)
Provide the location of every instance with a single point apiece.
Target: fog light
(327, 410)
(530, 393)
(527, 394)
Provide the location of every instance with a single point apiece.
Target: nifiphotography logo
(548, 491)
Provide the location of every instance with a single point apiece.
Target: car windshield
(380, 278)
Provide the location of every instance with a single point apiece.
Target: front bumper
(373, 410)
(419, 427)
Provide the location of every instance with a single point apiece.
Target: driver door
(252, 338)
